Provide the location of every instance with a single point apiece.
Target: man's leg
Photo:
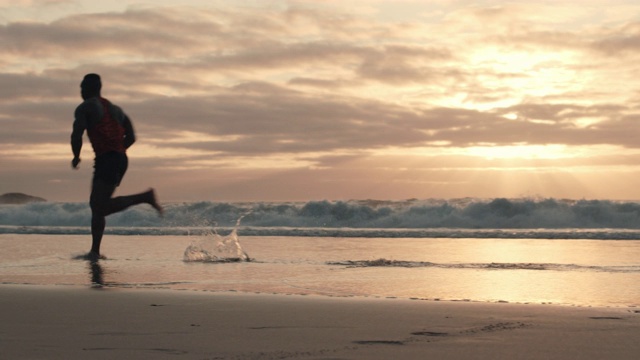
(120, 203)
(102, 205)
(101, 193)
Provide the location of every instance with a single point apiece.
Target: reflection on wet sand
(96, 274)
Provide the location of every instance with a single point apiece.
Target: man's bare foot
(94, 256)
(153, 201)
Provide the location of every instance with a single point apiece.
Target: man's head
(90, 86)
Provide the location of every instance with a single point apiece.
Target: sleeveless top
(107, 134)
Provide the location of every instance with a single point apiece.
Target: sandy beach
(58, 322)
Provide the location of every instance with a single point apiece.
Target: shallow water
(567, 272)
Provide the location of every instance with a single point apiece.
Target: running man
(111, 133)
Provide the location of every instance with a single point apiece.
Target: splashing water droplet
(217, 248)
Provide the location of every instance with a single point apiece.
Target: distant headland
(19, 198)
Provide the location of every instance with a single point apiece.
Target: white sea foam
(382, 262)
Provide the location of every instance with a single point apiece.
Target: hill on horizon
(19, 198)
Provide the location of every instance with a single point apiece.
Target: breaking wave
(495, 218)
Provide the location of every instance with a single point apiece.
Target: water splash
(217, 248)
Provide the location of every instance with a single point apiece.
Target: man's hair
(92, 83)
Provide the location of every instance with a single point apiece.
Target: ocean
(542, 251)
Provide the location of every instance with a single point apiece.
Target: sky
(279, 100)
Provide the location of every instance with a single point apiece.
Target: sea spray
(213, 247)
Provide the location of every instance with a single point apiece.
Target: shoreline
(585, 273)
(62, 322)
(233, 292)
(577, 233)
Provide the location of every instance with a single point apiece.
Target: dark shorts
(110, 167)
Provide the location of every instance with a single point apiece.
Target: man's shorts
(110, 167)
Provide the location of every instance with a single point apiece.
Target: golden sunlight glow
(48, 151)
(185, 137)
(166, 152)
(520, 152)
(490, 151)
(514, 76)
(272, 162)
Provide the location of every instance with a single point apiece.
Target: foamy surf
(382, 262)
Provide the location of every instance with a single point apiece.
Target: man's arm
(76, 139)
(129, 134)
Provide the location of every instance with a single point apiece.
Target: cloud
(130, 34)
(20, 87)
(325, 88)
(622, 40)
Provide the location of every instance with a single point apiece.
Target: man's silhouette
(111, 134)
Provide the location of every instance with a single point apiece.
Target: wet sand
(59, 322)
